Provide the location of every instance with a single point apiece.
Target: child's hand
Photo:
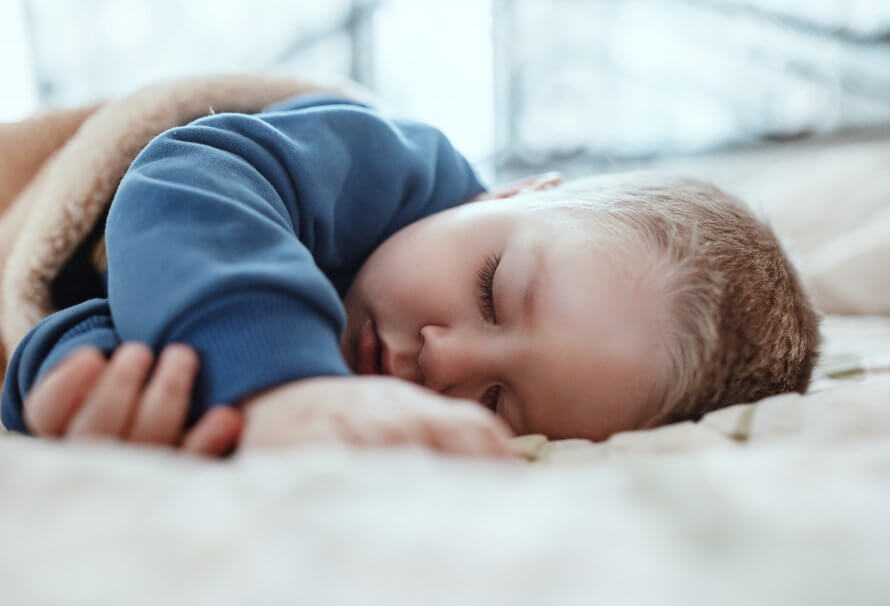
(523, 186)
(371, 411)
(89, 396)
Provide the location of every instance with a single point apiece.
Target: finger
(548, 180)
(475, 433)
(108, 408)
(496, 439)
(216, 433)
(495, 433)
(165, 402)
(478, 414)
(382, 429)
(350, 432)
(453, 440)
(54, 400)
(498, 429)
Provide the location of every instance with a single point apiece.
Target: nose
(456, 362)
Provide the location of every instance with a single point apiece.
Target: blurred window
(519, 85)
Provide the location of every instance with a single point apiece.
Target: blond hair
(739, 325)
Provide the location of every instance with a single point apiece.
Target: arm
(45, 345)
(88, 396)
(223, 234)
(61, 383)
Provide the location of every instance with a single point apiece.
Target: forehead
(594, 335)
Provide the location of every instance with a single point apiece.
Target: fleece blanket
(59, 170)
(782, 501)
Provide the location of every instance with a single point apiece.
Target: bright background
(518, 85)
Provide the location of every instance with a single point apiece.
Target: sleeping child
(337, 276)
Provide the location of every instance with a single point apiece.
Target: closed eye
(491, 397)
(486, 288)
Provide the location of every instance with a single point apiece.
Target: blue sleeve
(238, 234)
(46, 344)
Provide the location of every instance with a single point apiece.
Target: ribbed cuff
(252, 341)
(45, 345)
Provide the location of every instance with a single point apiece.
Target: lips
(371, 352)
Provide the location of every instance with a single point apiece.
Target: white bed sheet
(792, 510)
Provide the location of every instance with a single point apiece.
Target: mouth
(371, 352)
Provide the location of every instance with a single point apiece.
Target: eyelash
(492, 395)
(486, 288)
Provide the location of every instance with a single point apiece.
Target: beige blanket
(59, 170)
(780, 502)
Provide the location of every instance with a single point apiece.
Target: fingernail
(135, 353)
(181, 355)
(84, 353)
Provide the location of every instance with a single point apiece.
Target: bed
(781, 502)
(784, 501)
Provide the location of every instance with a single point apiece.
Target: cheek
(412, 291)
(423, 274)
(396, 277)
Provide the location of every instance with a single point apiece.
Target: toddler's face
(489, 302)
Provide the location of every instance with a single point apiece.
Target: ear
(523, 186)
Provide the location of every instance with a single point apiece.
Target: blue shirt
(239, 234)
